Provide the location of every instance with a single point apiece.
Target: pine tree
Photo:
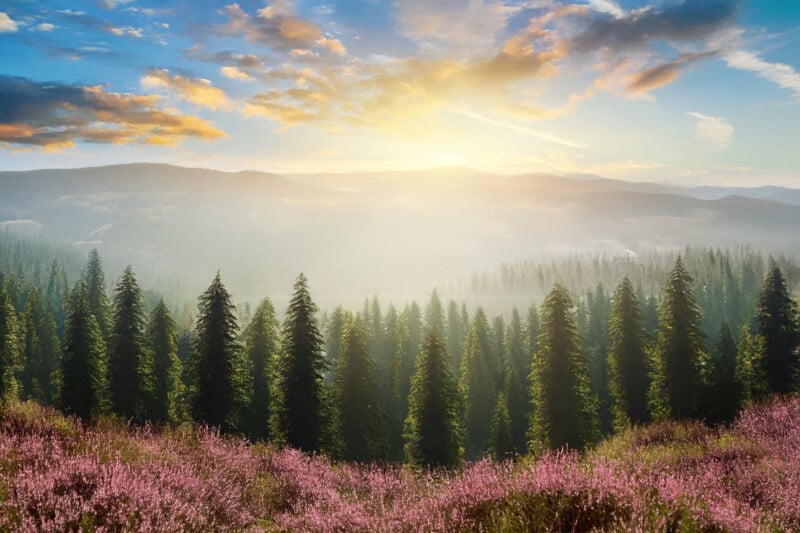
(597, 346)
(434, 314)
(455, 335)
(10, 347)
(532, 331)
(261, 349)
(49, 352)
(214, 363)
(627, 362)
(750, 367)
(776, 317)
(397, 404)
(516, 384)
(32, 351)
(361, 424)
(432, 431)
(477, 388)
(167, 388)
(679, 351)
(564, 411)
(300, 417)
(723, 391)
(83, 360)
(127, 350)
(98, 297)
(334, 334)
(501, 443)
(57, 293)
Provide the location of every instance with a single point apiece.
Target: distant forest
(535, 356)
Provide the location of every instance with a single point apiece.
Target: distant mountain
(394, 233)
(777, 194)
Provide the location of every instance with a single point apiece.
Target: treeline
(430, 387)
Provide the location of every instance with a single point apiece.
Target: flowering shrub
(58, 476)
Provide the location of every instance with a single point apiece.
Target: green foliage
(776, 319)
(300, 417)
(432, 430)
(434, 314)
(596, 340)
(722, 396)
(456, 333)
(334, 333)
(501, 442)
(360, 419)
(564, 411)
(128, 357)
(10, 347)
(261, 349)
(679, 351)
(751, 370)
(95, 281)
(477, 387)
(627, 361)
(83, 359)
(165, 375)
(516, 384)
(214, 364)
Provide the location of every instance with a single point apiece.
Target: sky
(684, 92)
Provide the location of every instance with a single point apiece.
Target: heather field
(57, 476)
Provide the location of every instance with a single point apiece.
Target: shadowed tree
(261, 349)
(723, 390)
(432, 430)
(167, 385)
(83, 365)
(300, 416)
(477, 388)
(517, 386)
(750, 368)
(96, 292)
(10, 344)
(30, 387)
(776, 318)
(679, 350)
(564, 411)
(360, 424)
(213, 364)
(629, 380)
(127, 350)
(501, 444)
(455, 335)
(334, 333)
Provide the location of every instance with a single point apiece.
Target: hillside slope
(57, 476)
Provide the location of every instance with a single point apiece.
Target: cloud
(130, 31)
(457, 22)
(716, 130)
(781, 74)
(55, 115)
(684, 22)
(235, 73)
(7, 25)
(111, 4)
(609, 7)
(663, 74)
(277, 27)
(198, 91)
(44, 26)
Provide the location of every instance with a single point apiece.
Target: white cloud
(607, 6)
(44, 26)
(236, 73)
(716, 130)
(7, 24)
(781, 74)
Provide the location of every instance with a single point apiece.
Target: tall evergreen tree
(477, 388)
(750, 367)
(166, 373)
(10, 347)
(361, 424)
(723, 390)
(300, 416)
(32, 350)
(532, 331)
(213, 365)
(455, 335)
(501, 443)
(334, 335)
(261, 349)
(564, 411)
(397, 405)
(627, 362)
(95, 281)
(776, 318)
(83, 359)
(57, 294)
(432, 430)
(597, 346)
(49, 352)
(127, 350)
(516, 384)
(679, 350)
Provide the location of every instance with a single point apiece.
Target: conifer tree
(10, 347)
(127, 350)
(776, 318)
(750, 367)
(83, 359)
(516, 384)
(501, 443)
(679, 352)
(564, 411)
(361, 424)
(434, 314)
(98, 297)
(477, 388)
(627, 362)
(455, 335)
(397, 405)
(261, 349)
(334, 334)
(49, 352)
(300, 416)
(167, 388)
(723, 390)
(432, 431)
(32, 350)
(57, 293)
(597, 346)
(216, 388)
(532, 331)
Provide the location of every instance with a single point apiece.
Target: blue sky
(701, 91)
